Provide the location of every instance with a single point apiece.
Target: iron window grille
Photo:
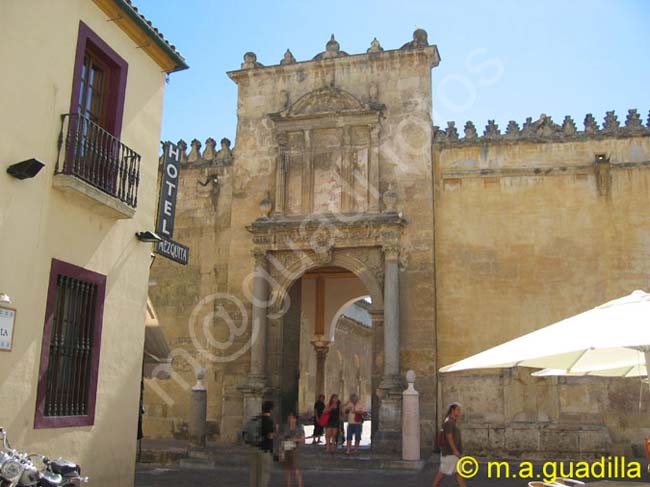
(71, 343)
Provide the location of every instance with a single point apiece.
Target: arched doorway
(309, 360)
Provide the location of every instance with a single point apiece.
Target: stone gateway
(343, 213)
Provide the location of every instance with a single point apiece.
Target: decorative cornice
(543, 130)
(324, 233)
(376, 53)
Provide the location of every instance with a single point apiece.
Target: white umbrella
(612, 337)
(633, 371)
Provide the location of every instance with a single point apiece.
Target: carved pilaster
(307, 176)
(281, 174)
(373, 170)
(347, 184)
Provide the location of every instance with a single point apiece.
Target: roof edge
(136, 26)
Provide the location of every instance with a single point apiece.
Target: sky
(502, 60)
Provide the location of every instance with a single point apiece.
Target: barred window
(71, 340)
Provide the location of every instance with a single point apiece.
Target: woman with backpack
(451, 447)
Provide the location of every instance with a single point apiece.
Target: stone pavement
(150, 476)
(161, 476)
(229, 469)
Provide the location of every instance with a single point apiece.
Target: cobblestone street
(152, 476)
(148, 476)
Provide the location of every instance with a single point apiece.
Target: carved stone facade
(461, 243)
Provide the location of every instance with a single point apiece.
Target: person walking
(260, 473)
(319, 408)
(293, 437)
(451, 448)
(333, 423)
(340, 435)
(355, 412)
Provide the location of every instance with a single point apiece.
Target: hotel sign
(167, 207)
(174, 251)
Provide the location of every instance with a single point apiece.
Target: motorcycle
(18, 470)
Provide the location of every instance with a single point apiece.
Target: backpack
(441, 438)
(252, 433)
(441, 434)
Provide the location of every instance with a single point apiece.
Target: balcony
(94, 163)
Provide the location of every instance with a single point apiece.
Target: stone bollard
(198, 410)
(410, 421)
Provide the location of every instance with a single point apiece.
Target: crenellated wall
(546, 130)
(531, 229)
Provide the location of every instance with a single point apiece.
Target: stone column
(391, 379)
(377, 366)
(260, 301)
(255, 385)
(321, 346)
(410, 421)
(198, 410)
(388, 435)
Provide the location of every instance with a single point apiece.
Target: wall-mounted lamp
(148, 236)
(25, 169)
(5, 299)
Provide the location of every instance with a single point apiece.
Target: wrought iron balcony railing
(95, 156)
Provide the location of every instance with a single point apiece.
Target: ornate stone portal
(368, 246)
(326, 140)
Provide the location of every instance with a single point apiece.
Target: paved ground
(152, 476)
(148, 476)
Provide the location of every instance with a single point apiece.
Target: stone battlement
(210, 155)
(544, 130)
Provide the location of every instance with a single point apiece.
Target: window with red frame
(68, 375)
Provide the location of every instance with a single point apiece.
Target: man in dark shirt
(452, 447)
(268, 428)
(263, 457)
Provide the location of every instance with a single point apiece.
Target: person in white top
(355, 412)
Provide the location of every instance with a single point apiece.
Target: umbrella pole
(647, 363)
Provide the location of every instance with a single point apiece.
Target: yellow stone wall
(525, 238)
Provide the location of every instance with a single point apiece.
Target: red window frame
(63, 268)
(115, 84)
